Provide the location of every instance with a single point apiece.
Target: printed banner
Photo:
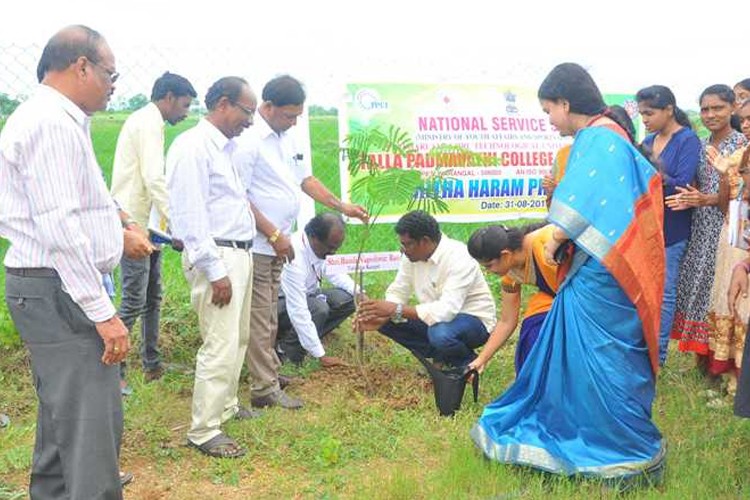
(503, 123)
(495, 143)
(371, 261)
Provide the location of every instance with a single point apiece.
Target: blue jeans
(451, 342)
(674, 253)
(141, 297)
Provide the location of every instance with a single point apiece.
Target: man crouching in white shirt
(307, 311)
(455, 312)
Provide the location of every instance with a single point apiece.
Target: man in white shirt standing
(138, 184)
(209, 213)
(307, 312)
(276, 175)
(455, 313)
(64, 234)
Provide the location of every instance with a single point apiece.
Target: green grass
(372, 432)
(367, 431)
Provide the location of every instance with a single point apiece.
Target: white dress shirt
(302, 277)
(448, 283)
(206, 196)
(138, 180)
(54, 205)
(273, 176)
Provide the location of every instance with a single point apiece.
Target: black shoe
(280, 354)
(247, 414)
(285, 381)
(291, 353)
(153, 374)
(278, 398)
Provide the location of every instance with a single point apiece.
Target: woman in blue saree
(581, 404)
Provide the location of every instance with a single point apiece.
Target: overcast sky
(626, 45)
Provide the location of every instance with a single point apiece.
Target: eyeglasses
(111, 74)
(248, 111)
(408, 244)
(331, 247)
(290, 116)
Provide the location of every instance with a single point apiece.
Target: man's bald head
(66, 46)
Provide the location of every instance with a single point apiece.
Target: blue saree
(581, 404)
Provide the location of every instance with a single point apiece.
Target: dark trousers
(327, 313)
(742, 399)
(79, 419)
(452, 342)
(141, 297)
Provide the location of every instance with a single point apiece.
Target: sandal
(125, 478)
(220, 446)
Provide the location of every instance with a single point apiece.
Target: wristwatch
(398, 316)
(128, 222)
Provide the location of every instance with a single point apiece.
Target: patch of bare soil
(396, 388)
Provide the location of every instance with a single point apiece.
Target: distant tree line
(123, 103)
(315, 110)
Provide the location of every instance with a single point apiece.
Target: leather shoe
(278, 398)
(155, 374)
(285, 381)
(247, 414)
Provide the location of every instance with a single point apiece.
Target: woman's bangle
(744, 265)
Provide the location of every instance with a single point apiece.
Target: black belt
(32, 272)
(242, 245)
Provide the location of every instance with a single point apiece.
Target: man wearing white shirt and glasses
(307, 312)
(65, 234)
(276, 175)
(209, 213)
(455, 310)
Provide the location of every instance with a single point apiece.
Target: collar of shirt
(307, 262)
(264, 130)
(440, 249)
(222, 142)
(154, 114)
(66, 104)
(309, 253)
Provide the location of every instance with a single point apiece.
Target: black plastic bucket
(449, 385)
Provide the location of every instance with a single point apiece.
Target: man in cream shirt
(138, 184)
(456, 311)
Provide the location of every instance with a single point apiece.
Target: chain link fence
(140, 66)
(138, 69)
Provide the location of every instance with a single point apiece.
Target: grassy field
(367, 431)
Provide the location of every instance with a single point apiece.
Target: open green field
(368, 431)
